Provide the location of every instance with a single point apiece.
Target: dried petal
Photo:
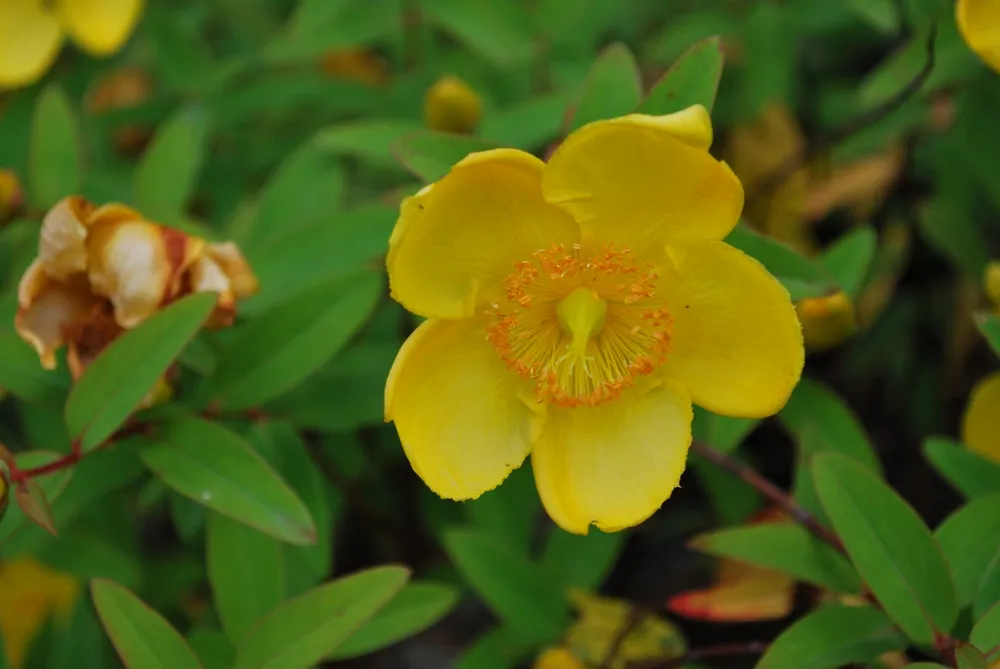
(229, 257)
(48, 308)
(62, 247)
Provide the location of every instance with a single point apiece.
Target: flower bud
(558, 658)
(451, 106)
(991, 283)
(11, 195)
(826, 321)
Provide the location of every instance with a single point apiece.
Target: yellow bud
(826, 321)
(558, 658)
(991, 282)
(11, 194)
(451, 106)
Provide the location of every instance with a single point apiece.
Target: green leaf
(54, 161)
(693, 79)
(613, 87)
(799, 275)
(14, 520)
(119, 379)
(833, 636)
(770, 51)
(30, 498)
(948, 227)
(509, 512)
(213, 647)
(723, 433)
(529, 124)
(581, 561)
(414, 609)
(276, 351)
(967, 538)
(986, 632)
(967, 657)
(881, 14)
(214, 467)
(246, 570)
(22, 375)
(369, 141)
(302, 631)
(498, 29)
(142, 637)
(500, 648)
(322, 26)
(850, 258)
(167, 174)
(889, 544)
(989, 327)
(784, 547)
(431, 155)
(518, 592)
(969, 473)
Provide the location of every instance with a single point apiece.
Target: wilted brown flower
(103, 270)
(122, 88)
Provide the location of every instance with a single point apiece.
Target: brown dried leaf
(31, 498)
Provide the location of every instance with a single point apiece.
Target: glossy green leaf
(142, 637)
(799, 275)
(986, 632)
(989, 326)
(118, 380)
(276, 351)
(431, 155)
(246, 570)
(54, 159)
(969, 473)
(693, 79)
(850, 258)
(304, 630)
(167, 175)
(216, 468)
(785, 547)
(613, 87)
(833, 636)
(967, 538)
(581, 561)
(518, 592)
(497, 29)
(414, 609)
(889, 544)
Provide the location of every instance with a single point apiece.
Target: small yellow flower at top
(979, 23)
(31, 594)
(451, 106)
(991, 283)
(32, 33)
(576, 309)
(558, 658)
(981, 422)
(103, 270)
(826, 321)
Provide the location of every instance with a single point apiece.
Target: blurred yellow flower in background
(576, 310)
(991, 284)
(451, 106)
(31, 594)
(558, 658)
(979, 24)
(11, 194)
(32, 33)
(826, 321)
(103, 270)
(981, 423)
(354, 64)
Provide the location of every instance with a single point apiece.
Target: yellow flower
(32, 32)
(826, 321)
(576, 309)
(101, 271)
(979, 23)
(558, 658)
(991, 283)
(30, 595)
(11, 194)
(981, 423)
(451, 106)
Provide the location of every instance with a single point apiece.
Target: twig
(774, 180)
(772, 492)
(727, 650)
(635, 617)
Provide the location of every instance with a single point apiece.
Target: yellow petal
(230, 260)
(48, 308)
(613, 465)
(979, 23)
(129, 266)
(456, 241)
(981, 423)
(30, 595)
(29, 42)
(62, 247)
(458, 410)
(99, 27)
(736, 342)
(645, 181)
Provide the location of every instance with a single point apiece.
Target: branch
(772, 492)
(777, 178)
(727, 650)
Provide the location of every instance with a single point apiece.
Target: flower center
(580, 326)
